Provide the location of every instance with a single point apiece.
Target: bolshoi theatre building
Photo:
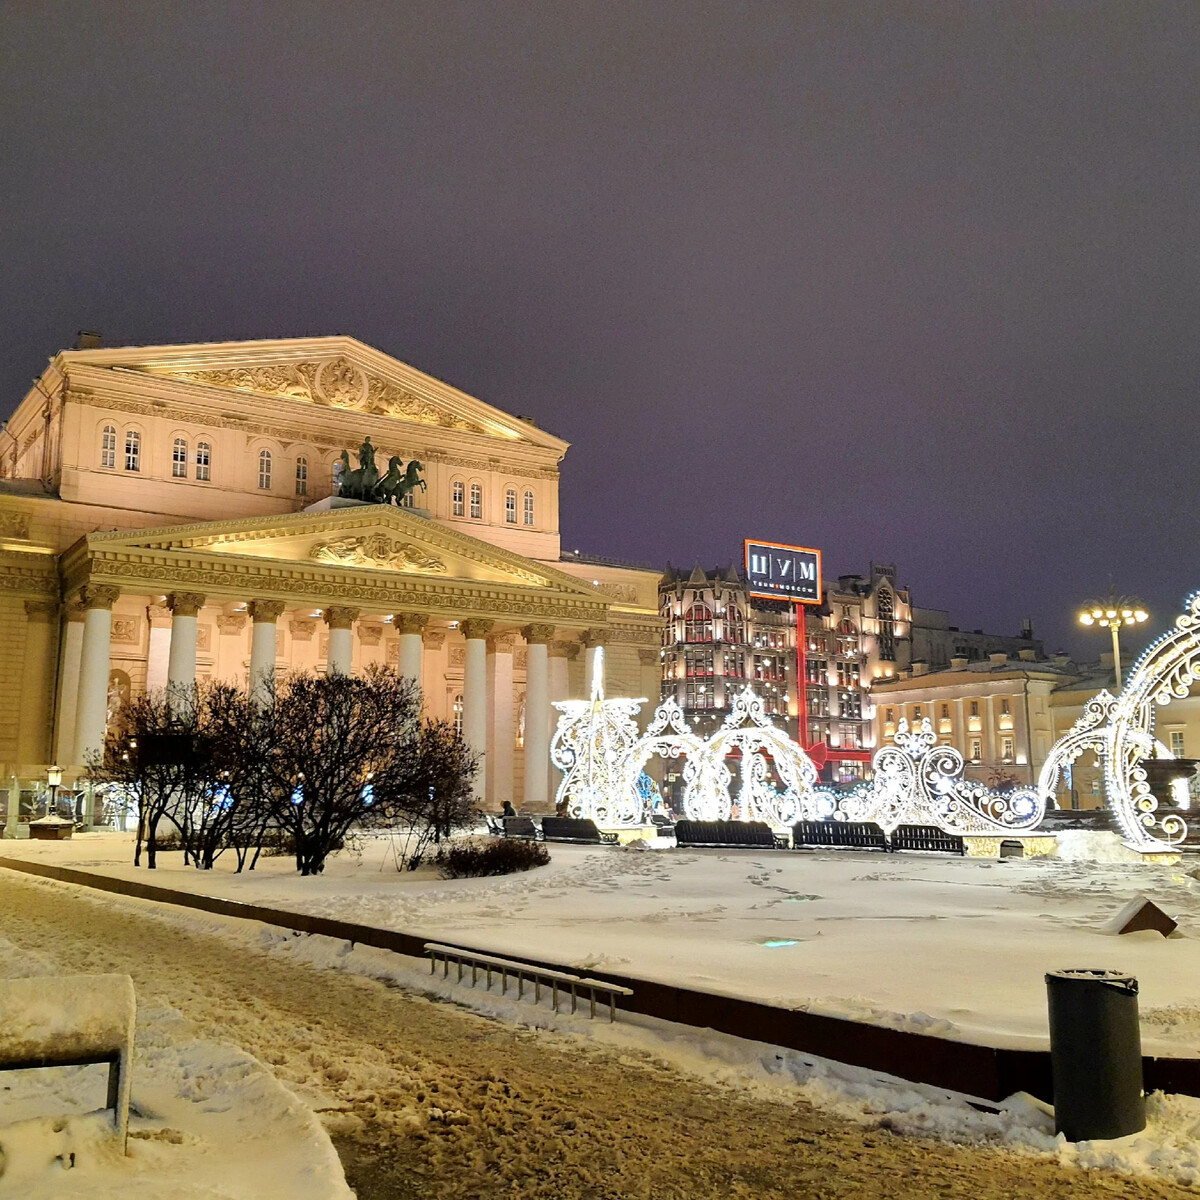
(166, 516)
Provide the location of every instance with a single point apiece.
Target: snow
(207, 1120)
(957, 947)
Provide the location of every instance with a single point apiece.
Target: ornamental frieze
(336, 383)
(378, 551)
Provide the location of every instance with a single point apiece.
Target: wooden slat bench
(491, 964)
(839, 835)
(575, 829)
(729, 835)
(72, 1021)
(927, 838)
(520, 827)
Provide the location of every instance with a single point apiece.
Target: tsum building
(165, 517)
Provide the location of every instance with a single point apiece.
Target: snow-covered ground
(207, 1121)
(957, 947)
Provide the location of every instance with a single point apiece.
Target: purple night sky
(912, 282)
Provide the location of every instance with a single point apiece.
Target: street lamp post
(53, 778)
(1111, 614)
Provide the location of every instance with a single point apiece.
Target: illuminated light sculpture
(749, 731)
(1120, 729)
(590, 746)
(668, 736)
(918, 782)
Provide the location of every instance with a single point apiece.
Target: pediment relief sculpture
(377, 551)
(335, 382)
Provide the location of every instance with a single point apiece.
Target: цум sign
(776, 572)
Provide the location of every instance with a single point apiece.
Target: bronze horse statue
(368, 485)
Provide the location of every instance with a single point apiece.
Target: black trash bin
(1095, 1054)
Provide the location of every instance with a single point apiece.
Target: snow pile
(207, 1121)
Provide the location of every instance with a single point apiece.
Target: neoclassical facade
(165, 516)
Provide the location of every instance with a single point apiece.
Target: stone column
(341, 639)
(989, 732)
(475, 721)
(650, 658)
(12, 817)
(264, 633)
(559, 654)
(433, 667)
(181, 662)
(91, 718)
(68, 684)
(500, 736)
(537, 716)
(593, 639)
(159, 652)
(35, 683)
(962, 739)
(411, 628)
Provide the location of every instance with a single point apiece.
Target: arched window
(203, 461)
(528, 508)
(510, 506)
(458, 714)
(264, 470)
(847, 639)
(698, 624)
(886, 609)
(133, 450)
(302, 476)
(108, 446)
(179, 459)
(476, 502)
(735, 625)
(457, 495)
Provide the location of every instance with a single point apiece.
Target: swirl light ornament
(1121, 732)
(918, 782)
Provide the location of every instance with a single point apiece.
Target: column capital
(595, 637)
(501, 643)
(185, 604)
(75, 610)
(648, 656)
(410, 622)
(435, 639)
(159, 616)
(476, 627)
(231, 622)
(340, 617)
(564, 649)
(41, 610)
(538, 635)
(265, 610)
(99, 595)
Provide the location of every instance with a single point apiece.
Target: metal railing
(541, 977)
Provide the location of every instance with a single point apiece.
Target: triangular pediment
(372, 539)
(335, 372)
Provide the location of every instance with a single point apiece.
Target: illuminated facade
(165, 517)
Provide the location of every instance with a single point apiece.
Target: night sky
(911, 282)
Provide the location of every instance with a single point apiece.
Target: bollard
(1095, 1054)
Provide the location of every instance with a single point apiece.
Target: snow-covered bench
(72, 1021)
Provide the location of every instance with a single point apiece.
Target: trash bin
(1095, 1054)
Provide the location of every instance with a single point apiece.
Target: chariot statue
(368, 485)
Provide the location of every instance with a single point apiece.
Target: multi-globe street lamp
(1111, 614)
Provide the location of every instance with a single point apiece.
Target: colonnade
(487, 690)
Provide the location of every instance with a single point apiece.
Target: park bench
(520, 827)
(840, 835)
(729, 835)
(72, 1021)
(541, 977)
(927, 838)
(574, 829)
(664, 826)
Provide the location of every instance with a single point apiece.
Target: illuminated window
(510, 506)
(698, 662)
(976, 749)
(850, 705)
(1177, 742)
(1004, 710)
(916, 712)
(851, 736)
(847, 639)
(735, 625)
(698, 624)
(848, 674)
(264, 470)
(818, 731)
(302, 476)
(203, 461)
(108, 446)
(699, 695)
(458, 714)
(476, 502)
(816, 670)
(890, 716)
(528, 508)
(974, 708)
(457, 495)
(179, 459)
(133, 450)
(1007, 749)
(818, 702)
